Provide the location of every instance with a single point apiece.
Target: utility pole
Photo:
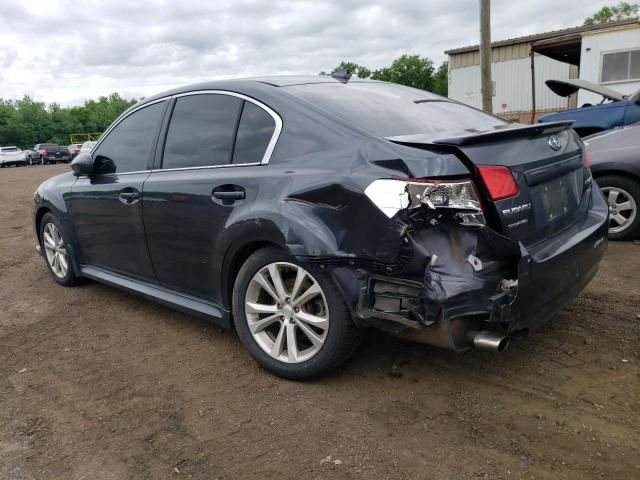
(486, 86)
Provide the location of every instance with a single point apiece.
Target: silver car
(12, 156)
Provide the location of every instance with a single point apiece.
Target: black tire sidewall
(633, 188)
(340, 322)
(70, 278)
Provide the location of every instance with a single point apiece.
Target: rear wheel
(623, 196)
(56, 252)
(290, 317)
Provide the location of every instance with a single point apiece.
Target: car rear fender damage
(427, 277)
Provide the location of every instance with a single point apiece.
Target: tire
(66, 277)
(336, 335)
(622, 191)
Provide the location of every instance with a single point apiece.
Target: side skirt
(170, 298)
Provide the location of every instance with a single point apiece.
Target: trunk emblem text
(516, 209)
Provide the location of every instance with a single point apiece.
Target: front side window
(201, 131)
(621, 66)
(254, 134)
(128, 147)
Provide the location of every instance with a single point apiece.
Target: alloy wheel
(287, 312)
(622, 208)
(55, 250)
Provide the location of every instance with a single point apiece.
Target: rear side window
(201, 131)
(254, 134)
(388, 110)
(127, 148)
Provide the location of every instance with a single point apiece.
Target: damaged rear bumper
(476, 281)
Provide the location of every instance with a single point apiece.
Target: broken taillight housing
(499, 181)
(393, 195)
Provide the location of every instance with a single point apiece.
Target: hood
(564, 88)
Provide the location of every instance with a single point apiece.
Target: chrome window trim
(206, 167)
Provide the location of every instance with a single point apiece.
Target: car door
(105, 207)
(214, 146)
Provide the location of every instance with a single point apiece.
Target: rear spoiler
(503, 133)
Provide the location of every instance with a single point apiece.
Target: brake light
(585, 158)
(45, 154)
(499, 181)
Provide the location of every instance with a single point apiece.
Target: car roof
(241, 84)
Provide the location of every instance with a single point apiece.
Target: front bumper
(477, 279)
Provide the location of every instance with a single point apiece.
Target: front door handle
(129, 196)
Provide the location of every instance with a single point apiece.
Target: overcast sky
(68, 51)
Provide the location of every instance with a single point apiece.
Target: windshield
(388, 110)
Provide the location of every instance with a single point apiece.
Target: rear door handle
(229, 195)
(129, 196)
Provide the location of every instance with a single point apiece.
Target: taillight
(393, 195)
(585, 158)
(45, 154)
(499, 181)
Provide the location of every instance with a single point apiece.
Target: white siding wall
(591, 60)
(512, 85)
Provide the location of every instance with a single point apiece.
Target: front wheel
(56, 252)
(291, 318)
(623, 196)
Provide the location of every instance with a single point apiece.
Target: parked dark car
(45, 153)
(615, 163)
(302, 209)
(615, 109)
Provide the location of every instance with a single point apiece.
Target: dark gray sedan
(302, 209)
(615, 163)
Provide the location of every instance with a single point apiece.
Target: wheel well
(234, 266)
(41, 213)
(604, 173)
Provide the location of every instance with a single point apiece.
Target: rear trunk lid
(546, 163)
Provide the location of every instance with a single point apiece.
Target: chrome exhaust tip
(495, 342)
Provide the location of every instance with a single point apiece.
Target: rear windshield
(48, 145)
(388, 110)
(10, 149)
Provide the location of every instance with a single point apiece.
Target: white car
(12, 156)
(87, 147)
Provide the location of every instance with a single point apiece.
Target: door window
(201, 131)
(128, 147)
(254, 134)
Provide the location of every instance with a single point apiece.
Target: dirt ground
(98, 384)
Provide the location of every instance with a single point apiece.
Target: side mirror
(82, 164)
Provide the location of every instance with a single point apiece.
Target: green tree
(410, 70)
(441, 80)
(25, 122)
(614, 12)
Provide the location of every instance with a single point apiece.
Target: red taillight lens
(585, 158)
(45, 154)
(499, 181)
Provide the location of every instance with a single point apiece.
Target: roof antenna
(342, 74)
